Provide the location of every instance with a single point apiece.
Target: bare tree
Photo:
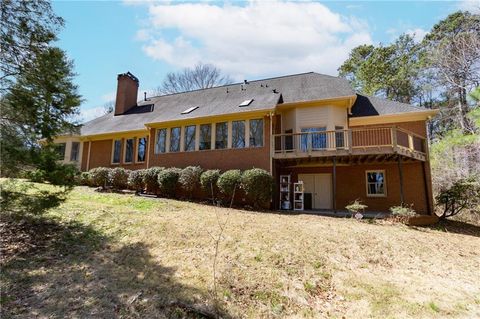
(457, 61)
(109, 107)
(201, 76)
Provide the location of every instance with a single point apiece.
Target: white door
(320, 186)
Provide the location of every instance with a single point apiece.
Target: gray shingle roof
(226, 100)
(371, 106)
(223, 100)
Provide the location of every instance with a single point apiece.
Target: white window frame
(113, 151)
(384, 182)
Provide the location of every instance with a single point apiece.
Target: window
(256, 133)
(314, 140)
(238, 134)
(190, 110)
(205, 137)
(189, 142)
(75, 151)
(175, 139)
(376, 183)
(246, 103)
(117, 146)
(339, 137)
(129, 150)
(160, 146)
(61, 150)
(221, 135)
(141, 149)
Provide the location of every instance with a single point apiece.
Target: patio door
(320, 186)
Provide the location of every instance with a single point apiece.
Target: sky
(246, 40)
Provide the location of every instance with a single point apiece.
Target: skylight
(189, 110)
(246, 103)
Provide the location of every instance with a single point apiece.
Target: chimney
(127, 90)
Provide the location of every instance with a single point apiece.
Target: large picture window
(160, 145)
(175, 139)
(129, 150)
(74, 152)
(221, 135)
(141, 149)
(238, 134)
(376, 183)
(315, 139)
(256, 133)
(117, 147)
(205, 137)
(189, 141)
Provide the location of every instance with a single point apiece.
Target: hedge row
(254, 185)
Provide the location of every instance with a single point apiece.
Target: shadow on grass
(53, 268)
(455, 226)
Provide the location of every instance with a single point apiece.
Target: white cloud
(470, 5)
(418, 33)
(90, 113)
(254, 39)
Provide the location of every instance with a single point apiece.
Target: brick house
(306, 127)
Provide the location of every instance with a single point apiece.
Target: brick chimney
(127, 90)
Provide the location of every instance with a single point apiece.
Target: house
(309, 128)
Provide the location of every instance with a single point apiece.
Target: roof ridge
(239, 83)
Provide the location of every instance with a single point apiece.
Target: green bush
(150, 178)
(62, 175)
(85, 179)
(258, 184)
(356, 207)
(464, 194)
(208, 181)
(118, 178)
(168, 181)
(36, 176)
(135, 180)
(229, 182)
(402, 211)
(100, 176)
(189, 179)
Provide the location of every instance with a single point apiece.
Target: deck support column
(334, 182)
(400, 174)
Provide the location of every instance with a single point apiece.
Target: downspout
(148, 147)
(271, 143)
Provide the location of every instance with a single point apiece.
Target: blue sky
(247, 40)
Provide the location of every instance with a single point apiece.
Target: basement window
(376, 183)
(190, 110)
(246, 103)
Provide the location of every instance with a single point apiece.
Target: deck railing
(354, 141)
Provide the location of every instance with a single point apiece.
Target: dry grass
(110, 255)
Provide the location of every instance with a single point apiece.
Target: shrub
(150, 179)
(118, 178)
(100, 176)
(208, 181)
(85, 179)
(36, 176)
(402, 211)
(463, 194)
(356, 207)
(258, 184)
(62, 175)
(229, 181)
(189, 178)
(168, 180)
(135, 180)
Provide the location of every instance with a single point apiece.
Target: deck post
(334, 182)
(400, 173)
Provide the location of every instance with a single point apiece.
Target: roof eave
(393, 118)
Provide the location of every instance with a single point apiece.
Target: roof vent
(190, 110)
(274, 91)
(245, 82)
(246, 103)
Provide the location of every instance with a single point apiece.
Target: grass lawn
(86, 254)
